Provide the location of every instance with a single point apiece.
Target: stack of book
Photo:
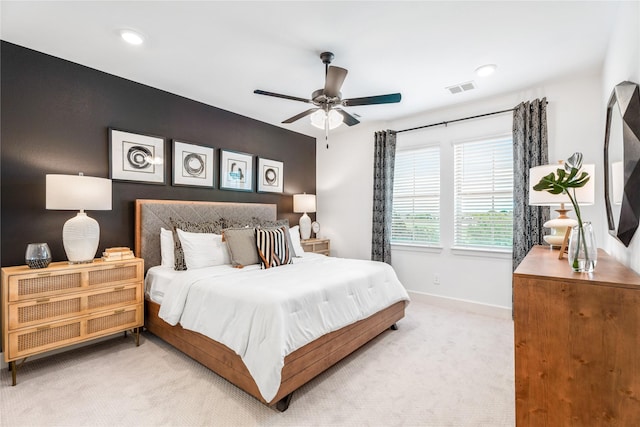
(117, 254)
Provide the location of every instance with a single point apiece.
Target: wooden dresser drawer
(105, 323)
(28, 341)
(59, 278)
(47, 309)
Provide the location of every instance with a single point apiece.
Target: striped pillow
(273, 247)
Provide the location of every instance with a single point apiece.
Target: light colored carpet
(441, 368)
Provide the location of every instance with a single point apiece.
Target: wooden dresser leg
(394, 327)
(14, 372)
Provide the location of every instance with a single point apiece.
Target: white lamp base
(305, 226)
(558, 228)
(80, 237)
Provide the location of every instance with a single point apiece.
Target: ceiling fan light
(318, 118)
(335, 119)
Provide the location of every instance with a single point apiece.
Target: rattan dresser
(64, 304)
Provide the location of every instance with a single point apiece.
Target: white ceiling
(218, 52)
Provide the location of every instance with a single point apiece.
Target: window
(416, 197)
(483, 192)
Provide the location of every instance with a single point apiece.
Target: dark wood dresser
(577, 342)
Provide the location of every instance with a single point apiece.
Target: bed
(300, 365)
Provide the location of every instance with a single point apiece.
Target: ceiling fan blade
(370, 100)
(278, 95)
(301, 115)
(333, 82)
(348, 119)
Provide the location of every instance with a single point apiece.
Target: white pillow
(203, 249)
(166, 248)
(294, 233)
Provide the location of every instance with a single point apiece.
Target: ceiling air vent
(462, 87)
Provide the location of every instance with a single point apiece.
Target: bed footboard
(300, 366)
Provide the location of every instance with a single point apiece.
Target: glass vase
(38, 255)
(582, 252)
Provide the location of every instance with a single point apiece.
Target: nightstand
(318, 246)
(64, 304)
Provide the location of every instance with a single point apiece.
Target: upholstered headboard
(152, 215)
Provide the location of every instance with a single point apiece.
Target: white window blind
(483, 187)
(416, 197)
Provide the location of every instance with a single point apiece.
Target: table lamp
(303, 203)
(80, 234)
(617, 182)
(584, 196)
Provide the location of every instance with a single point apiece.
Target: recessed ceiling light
(486, 70)
(132, 37)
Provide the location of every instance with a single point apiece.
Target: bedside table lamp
(303, 203)
(617, 182)
(80, 234)
(584, 196)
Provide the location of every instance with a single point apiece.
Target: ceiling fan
(329, 99)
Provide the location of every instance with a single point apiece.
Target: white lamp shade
(584, 195)
(303, 203)
(78, 192)
(318, 118)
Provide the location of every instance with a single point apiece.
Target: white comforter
(263, 315)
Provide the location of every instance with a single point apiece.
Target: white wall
(344, 184)
(576, 111)
(344, 189)
(623, 63)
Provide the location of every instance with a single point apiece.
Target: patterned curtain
(529, 150)
(383, 165)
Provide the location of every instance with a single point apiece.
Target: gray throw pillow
(242, 246)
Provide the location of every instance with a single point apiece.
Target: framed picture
(270, 175)
(136, 157)
(192, 165)
(236, 171)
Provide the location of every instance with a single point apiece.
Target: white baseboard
(463, 305)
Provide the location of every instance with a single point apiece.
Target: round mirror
(621, 161)
(615, 174)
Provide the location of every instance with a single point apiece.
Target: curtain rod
(459, 120)
(456, 120)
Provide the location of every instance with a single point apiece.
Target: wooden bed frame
(300, 366)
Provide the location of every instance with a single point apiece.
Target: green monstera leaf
(566, 178)
(563, 181)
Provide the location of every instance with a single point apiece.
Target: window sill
(476, 252)
(416, 248)
(480, 252)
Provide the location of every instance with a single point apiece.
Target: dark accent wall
(55, 116)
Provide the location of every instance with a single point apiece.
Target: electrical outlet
(436, 279)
